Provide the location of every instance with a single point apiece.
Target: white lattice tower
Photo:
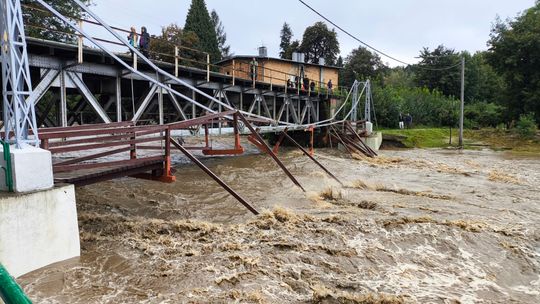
(19, 116)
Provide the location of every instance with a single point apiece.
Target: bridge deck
(91, 176)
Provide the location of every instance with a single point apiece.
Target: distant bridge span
(111, 93)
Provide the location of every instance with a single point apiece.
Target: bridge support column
(119, 99)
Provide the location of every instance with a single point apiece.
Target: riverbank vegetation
(493, 138)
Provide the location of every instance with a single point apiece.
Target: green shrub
(526, 126)
(428, 108)
(483, 114)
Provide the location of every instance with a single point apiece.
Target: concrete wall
(38, 229)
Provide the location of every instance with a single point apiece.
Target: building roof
(249, 57)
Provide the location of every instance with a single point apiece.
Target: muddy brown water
(412, 226)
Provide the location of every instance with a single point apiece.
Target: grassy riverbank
(440, 138)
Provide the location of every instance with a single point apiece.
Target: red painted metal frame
(127, 137)
(258, 141)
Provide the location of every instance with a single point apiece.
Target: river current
(411, 226)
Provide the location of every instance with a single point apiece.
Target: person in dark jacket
(312, 86)
(330, 87)
(306, 83)
(144, 41)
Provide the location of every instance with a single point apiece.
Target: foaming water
(426, 226)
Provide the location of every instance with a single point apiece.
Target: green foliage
(162, 47)
(42, 24)
(483, 114)
(428, 108)
(424, 137)
(514, 52)
(320, 42)
(199, 22)
(526, 126)
(221, 35)
(286, 35)
(399, 77)
(361, 64)
(445, 81)
(482, 83)
(294, 47)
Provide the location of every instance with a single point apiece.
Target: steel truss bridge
(129, 103)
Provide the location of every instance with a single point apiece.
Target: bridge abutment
(38, 229)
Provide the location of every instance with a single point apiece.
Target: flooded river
(412, 226)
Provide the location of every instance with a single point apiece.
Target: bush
(483, 114)
(428, 108)
(526, 126)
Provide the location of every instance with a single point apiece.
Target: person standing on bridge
(144, 42)
(330, 86)
(254, 66)
(133, 38)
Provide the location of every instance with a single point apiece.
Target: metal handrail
(320, 89)
(10, 291)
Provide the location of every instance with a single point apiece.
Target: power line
(371, 47)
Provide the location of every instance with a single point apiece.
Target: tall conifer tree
(199, 22)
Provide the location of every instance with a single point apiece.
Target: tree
(199, 22)
(286, 37)
(42, 24)
(361, 64)
(514, 52)
(162, 47)
(339, 62)
(294, 47)
(320, 42)
(221, 35)
(445, 80)
(482, 83)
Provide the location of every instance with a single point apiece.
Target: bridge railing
(269, 76)
(79, 147)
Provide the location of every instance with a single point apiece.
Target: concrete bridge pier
(38, 222)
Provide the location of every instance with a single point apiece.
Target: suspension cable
(371, 47)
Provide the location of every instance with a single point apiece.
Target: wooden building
(278, 71)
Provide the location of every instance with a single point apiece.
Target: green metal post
(7, 168)
(10, 291)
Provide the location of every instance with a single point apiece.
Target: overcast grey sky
(398, 27)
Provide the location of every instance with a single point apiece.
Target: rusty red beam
(88, 127)
(310, 156)
(279, 141)
(111, 131)
(349, 125)
(215, 177)
(87, 140)
(105, 145)
(93, 156)
(199, 120)
(336, 135)
(68, 168)
(266, 148)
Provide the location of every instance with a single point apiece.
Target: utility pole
(462, 102)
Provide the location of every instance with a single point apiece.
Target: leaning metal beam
(43, 86)
(19, 115)
(306, 153)
(265, 106)
(214, 177)
(177, 106)
(145, 103)
(267, 149)
(87, 94)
